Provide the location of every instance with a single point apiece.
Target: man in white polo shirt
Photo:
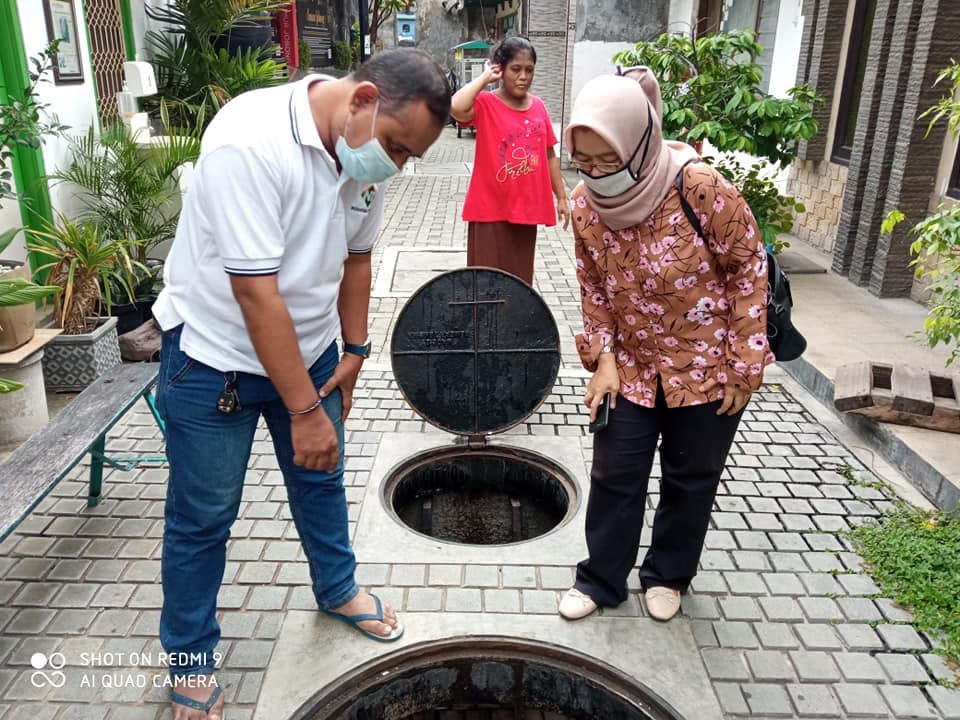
(270, 266)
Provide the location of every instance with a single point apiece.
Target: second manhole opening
(489, 497)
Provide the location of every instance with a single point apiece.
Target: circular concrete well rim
(338, 697)
(501, 452)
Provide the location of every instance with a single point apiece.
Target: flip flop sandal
(355, 620)
(206, 706)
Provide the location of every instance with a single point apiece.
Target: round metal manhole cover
(475, 351)
(496, 496)
(486, 678)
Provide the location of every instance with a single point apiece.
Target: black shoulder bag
(785, 340)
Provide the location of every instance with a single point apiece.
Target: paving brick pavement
(787, 622)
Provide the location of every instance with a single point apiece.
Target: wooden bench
(900, 394)
(37, 465)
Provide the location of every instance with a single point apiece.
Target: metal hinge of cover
(476, 442)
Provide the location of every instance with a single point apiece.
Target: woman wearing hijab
(674, 331)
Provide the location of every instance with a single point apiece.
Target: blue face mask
(368, 163)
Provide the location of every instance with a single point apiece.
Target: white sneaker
(662, 602)
(576, 605)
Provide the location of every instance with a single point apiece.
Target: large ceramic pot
(17, 323)
(71, 362)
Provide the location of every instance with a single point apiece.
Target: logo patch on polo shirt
(367, 196)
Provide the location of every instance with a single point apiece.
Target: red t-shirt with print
(511, 176)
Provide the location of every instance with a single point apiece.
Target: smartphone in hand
(603, 415)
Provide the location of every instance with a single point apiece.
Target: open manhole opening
(486, 679)
(480, 497)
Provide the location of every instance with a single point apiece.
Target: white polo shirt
(265, 199)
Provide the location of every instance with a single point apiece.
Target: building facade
(873, 154)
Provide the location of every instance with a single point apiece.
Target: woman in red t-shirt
(516, 183)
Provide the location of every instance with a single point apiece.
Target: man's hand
(345, 377)
(605, 380)
(314, 438)
(734, 399)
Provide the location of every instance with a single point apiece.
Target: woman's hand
(605, 380)
(735, 398)
(563, 211)
(492, 73)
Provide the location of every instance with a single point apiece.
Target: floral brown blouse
(674, 304)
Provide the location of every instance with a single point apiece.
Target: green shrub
(342, 55)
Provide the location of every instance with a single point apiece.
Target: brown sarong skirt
(502, 245)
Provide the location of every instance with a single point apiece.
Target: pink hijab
(625, 110)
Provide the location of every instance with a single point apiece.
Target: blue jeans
(208, 452)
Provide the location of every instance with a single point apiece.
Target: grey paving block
(731, 698)
(501, 601)
(859, 667)
(781, 609)
(861, 700)
(858, 584)
(907, 702)
(701, 607)
(463, 600)
(424, 599)
(823, 562)
(518, 576)
(703, 634)
(788, 562)
(947, 701)
(816, 701)
(750, 560)
(556, 578)
(543, 602)
(769, 665)
(725, 664)
(767, 700)
(819, 636)
(859, 609)
(709, 583)
(753, 540)
(740, 608)
(797, 523)
(267, 598)
(788, 541)
(814, 666)
(408, 575)
(902, 669)
(728, 521)
(783, 583)
(481, 576)
(892, 612)
(901, 638)
(764, 520)
(821, 609)
(713, 558)
(937, 667)
(818, 583)
(775, 636)
(823, 541)
(745, 583)
(251, 654)
(735, 634)
(444, 574)
(368, 574)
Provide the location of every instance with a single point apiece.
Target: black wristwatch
(359, 350)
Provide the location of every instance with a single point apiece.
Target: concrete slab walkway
(782, 620)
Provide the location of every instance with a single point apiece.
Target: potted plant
(200, 59)
(85, 267)
(131, 191)
(711, 91)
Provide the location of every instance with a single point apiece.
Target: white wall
(592, 58)
(75, 106)
(786, 48)
(682, 16)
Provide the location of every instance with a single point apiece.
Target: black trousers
(694, 446)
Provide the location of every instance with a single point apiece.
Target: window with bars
(107, 54)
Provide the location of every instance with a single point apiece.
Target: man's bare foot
(364, 603)
(200, 689)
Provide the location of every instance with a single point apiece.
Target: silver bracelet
(310, 409)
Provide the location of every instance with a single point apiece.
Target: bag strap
(687, 210)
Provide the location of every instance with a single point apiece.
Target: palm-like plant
(129, 189)
(194, 76)
(84, 267)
